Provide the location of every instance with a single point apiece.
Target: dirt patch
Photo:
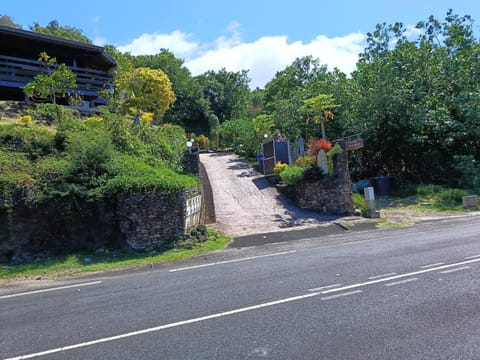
(246, 203)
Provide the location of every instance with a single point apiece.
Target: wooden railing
(20, 71)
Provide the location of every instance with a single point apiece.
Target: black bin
(383, 185)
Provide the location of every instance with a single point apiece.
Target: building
(19, 53)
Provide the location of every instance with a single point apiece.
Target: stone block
(470, 202)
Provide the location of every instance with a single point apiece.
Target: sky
(261, 36)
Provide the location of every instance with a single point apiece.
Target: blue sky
(261, 36)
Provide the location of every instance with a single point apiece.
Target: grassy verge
(75, 264)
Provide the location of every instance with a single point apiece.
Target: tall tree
(66, 32)
(190, 108)
(227, 92)
(6, 20)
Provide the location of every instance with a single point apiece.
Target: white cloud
(262, 57)
(177, 42)
(99, 41)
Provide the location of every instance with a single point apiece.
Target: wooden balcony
(16, 72)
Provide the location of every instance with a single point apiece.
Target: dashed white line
(325, 287)
(401, 276)
(232, 261)
(401, 282)
(455, 270)
(381, 276)
(472, 257)
(431, 265)
(49, 289)
(163, 327)
(350, 293)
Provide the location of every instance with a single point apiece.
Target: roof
(28, 44)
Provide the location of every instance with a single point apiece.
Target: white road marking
(232, 261)
(472, 257)
(401, 282)
(162, 327)
(49, 289)
(401, 276)
(381, 276)
(325, 287)
(455, 270)
(331, 297)
(431, 265)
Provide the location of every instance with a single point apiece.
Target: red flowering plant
(315, 145)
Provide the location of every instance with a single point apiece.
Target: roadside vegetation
(112, 259)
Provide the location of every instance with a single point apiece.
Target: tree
(55, 82)
(147, 90)
(6, 20)
(190, 108)
(319, 106)
(227, 93)
(66, 32)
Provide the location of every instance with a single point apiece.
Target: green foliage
(66, 32)
(6, 20)
(305, 161)
(292, 175)
(279, 168)
(133, 174)
(336, 150)
(226, 92)
(359, 204)
(55, 82)
(448, 199)
(34, 141)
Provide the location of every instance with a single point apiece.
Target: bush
(279, 168)
(292, 175)
(305, 161)
(359, 203)
(450, 198)
(426, 190)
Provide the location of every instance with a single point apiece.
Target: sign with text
(354, 144)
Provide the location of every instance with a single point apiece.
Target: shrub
(279, 168)
(203, 141)
(427, 190)
(292, 175)
(305, 161)
(359, 203)
(450, 198)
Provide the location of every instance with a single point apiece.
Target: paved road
(386, 294)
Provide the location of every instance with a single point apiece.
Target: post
(370, 201)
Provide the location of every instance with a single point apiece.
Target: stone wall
(149, 220)
(331, 195)
(144, 221)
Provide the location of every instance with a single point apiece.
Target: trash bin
(260, 162)
(383, 185)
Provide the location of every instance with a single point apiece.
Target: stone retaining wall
(331, 195)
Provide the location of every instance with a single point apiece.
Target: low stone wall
(144, 221)
(149, 220)
(331, 195)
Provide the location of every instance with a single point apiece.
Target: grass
(75, 264)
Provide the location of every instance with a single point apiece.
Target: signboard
(354, 144)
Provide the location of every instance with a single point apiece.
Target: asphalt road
(387, 294)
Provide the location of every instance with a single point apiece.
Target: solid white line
(325, 287)
(331, 297)
(401, 276)
(455, 270)
(162, 327)
(401, 282)
(381, 276)
(431, 265)
(49, 289)
(472, 257)
(232, 261)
